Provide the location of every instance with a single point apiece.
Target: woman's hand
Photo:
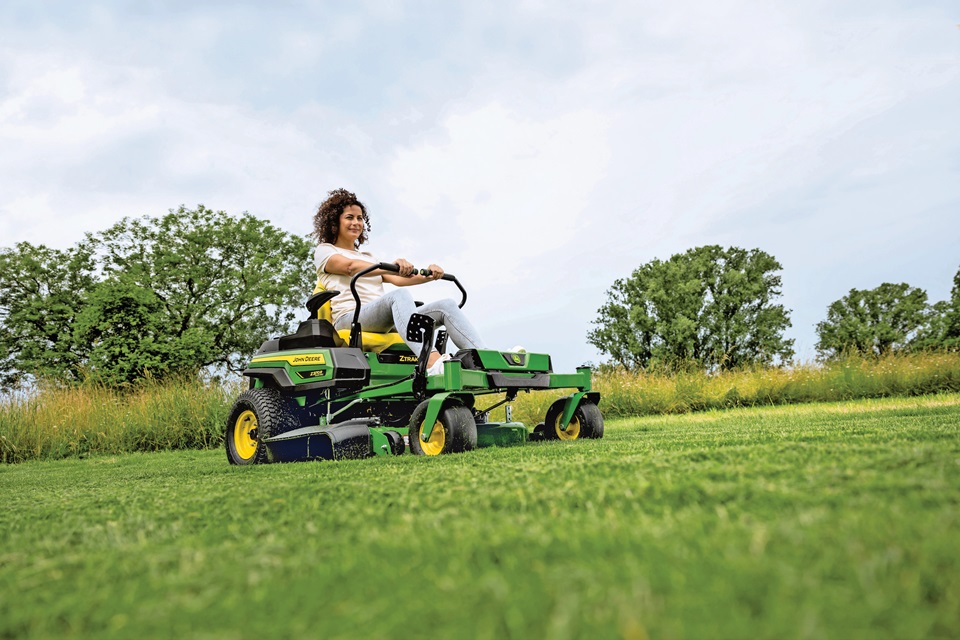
(406, 277)
(406, 268)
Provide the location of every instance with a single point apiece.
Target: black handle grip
(427, 272)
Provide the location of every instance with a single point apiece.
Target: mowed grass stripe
(824, 520)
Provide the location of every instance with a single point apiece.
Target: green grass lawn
(809, 521)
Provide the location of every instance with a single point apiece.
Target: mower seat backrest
(375, 342)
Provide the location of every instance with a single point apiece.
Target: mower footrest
(532, 381)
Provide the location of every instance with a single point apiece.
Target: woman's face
(351, 225)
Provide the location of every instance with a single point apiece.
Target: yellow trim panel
(295, 360)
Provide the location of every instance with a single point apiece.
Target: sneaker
(437, 367)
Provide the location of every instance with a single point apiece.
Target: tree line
(716, 308)
(199, 290)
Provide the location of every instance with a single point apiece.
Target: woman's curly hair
(326, 222)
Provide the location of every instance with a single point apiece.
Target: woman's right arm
(341, 265)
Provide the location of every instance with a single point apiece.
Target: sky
(539, 151)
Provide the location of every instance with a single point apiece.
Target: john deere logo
(515, 359)
(296, 359)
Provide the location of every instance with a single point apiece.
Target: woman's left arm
(406, 281)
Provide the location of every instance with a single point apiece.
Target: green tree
(941, 326)
(951, 335)
(710, 307)
(41, 291)
(932, 332)
(872, 322)
(130, 336)
(192, 289)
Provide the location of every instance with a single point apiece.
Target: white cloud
(494, 180)
(53, 105)
(86, 144)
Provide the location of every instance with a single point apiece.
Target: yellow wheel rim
(434, 446)
(244, 443)
(572, 432)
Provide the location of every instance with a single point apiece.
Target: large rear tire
(454, 431)
(256, 415)
(587, 422)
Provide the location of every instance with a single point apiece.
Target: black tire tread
(458, 423)
(273, 418)
(591, 420)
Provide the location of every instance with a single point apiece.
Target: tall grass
(65, 422)
(58, 422)
(626, 393)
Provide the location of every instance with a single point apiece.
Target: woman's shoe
(437, 367)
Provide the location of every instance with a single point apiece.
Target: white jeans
(393, 310)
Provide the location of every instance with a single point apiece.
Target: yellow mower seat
(374, 342)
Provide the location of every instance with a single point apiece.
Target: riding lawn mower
(320, 394)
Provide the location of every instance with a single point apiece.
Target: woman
(341, 225)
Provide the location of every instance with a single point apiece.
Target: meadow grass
(838, 520)
(59, 422)
(64, 422)
(641, 393)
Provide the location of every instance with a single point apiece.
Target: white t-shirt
(368, 287)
